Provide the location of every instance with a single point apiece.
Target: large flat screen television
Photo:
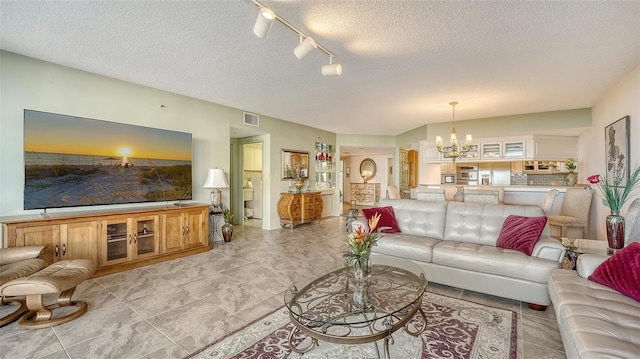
(73, 161)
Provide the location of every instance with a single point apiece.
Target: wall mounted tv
(74, 161)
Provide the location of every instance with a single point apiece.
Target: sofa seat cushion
(493, 260)
(595, 321)
(407, 246)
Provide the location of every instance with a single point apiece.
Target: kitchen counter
(544, 189)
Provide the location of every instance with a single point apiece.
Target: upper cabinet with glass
(325, 166)
(503, 150)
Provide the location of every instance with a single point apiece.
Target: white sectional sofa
(455, 244)
(595, 321)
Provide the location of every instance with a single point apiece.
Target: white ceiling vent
(251, 119)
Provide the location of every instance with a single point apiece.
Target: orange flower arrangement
(361, 241)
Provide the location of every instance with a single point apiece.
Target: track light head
(332, 70)
(305, 47)
(264, 22)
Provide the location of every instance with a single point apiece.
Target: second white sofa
(455, 244)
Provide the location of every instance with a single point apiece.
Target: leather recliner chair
(18, 262)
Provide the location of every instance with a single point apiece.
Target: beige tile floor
(171, 309)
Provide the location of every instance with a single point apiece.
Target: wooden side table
(297, 208)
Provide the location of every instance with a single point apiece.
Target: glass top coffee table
(334, 309)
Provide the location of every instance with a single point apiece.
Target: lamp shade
(305, 47)
(216, 179)
(264, 22)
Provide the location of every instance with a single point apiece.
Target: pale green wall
(27, 83)
(517, 124)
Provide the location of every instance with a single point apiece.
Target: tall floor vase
(615, 231)
(227, 231)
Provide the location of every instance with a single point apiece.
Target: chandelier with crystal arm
(453, 151)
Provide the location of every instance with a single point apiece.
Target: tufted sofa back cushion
(482, 223)
(419, 218)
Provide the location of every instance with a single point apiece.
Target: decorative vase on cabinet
(572, 179)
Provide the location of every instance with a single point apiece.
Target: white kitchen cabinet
(555, 147)
(428, 152)
(252, 159)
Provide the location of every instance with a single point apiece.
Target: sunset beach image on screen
(75, 161)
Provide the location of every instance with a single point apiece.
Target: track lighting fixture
(331, 69)
(305, 47)
(264, 22)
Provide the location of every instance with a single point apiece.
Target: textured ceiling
(403, 61)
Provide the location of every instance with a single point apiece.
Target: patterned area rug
(455, 329)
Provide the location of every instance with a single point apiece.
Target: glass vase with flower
(614, 195)
(361, 240)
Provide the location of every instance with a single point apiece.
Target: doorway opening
(252, 184)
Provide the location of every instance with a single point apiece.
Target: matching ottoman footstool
(61, 277)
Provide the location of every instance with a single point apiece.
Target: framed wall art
(295, 163)
(617, 151)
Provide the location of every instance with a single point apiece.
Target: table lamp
(215, 181)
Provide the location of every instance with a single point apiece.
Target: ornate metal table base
(324, 310)
(386, 334)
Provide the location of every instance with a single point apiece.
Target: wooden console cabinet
(297, 208)
(116, 240)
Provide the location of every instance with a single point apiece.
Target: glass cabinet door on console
(128, 239)
(116, 242)
(145, 237)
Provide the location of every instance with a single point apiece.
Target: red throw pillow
(521, 233)
(621, 271)
(387, 218)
